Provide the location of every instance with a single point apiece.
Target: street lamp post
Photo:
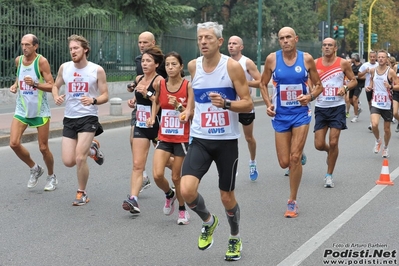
(369, 37)
(259, 52)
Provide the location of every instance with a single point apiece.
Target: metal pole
(329, 18)
(369, 37)
(259, 52)
(360, 22)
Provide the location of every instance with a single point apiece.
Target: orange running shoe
(292, 209)
(99, 156)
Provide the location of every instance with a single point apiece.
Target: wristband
(311, 97)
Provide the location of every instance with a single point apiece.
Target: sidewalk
(57, 114)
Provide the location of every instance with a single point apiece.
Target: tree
(384, 23)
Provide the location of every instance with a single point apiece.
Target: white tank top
(209, 121)
(78, 83)
(31, 102)
(243, 63)
(382, 97)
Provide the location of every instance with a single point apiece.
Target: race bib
(289, 93)
(380, 99)
(330, 94)
(78, 88)
(26, 89)
(142, 114)
(170, 123)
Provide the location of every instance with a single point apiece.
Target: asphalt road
(43, 228)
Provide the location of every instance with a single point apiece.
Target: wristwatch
(94, 101)
(227, 104)
(346, 88)
(179, 108)
(35, 84)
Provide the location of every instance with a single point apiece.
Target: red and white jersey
(332, 78)
(170, 128)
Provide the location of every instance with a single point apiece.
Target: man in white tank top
(235, 46)
(33, 82)
(217, 80)
(383, 80)
(85, 88)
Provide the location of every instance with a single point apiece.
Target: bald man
(330, 113)
(290, 106)
(147, 40)
(33, 81)
(235, 46)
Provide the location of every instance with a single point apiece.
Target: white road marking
(304, 251)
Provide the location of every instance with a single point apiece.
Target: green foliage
(160, 15)
(301, 16)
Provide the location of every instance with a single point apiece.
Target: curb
(108, 122)
(56, 132)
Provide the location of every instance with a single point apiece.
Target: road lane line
(304, 251)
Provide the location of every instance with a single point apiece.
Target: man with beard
(85, 88)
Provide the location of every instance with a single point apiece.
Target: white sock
(211, 221)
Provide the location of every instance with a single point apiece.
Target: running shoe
(81, 199)
(347, 115)
(292, 209)
(205, 240)
(131, 205)
(51, 184)
(146, 183)
(169, 206)
(234, 249)
(184, 217)
(34, 176)
(377, 146)
(304, 159)
(369, 128)
(385, 153)
(99, 156)
(253, 171)
(397, 128)
(355, 119)
(328, 181)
